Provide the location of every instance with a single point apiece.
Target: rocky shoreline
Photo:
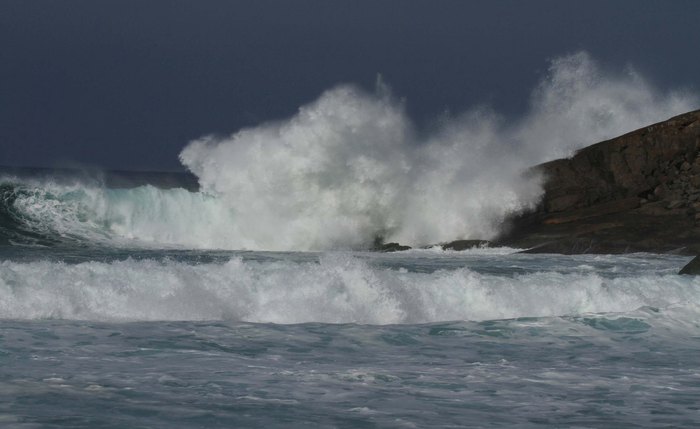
(639, 192)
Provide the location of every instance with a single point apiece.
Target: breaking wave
(348, 168)
(338, 289)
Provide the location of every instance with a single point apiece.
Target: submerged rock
(391, 247)
(464, 244)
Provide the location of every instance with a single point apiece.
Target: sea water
(241, 297)
(99, 328)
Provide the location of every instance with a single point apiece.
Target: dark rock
(692, 267)
(391, 247)
(675, 204)
(695, 181)
(660, 191)
(465, 244)
(628, 194)
(594, 211)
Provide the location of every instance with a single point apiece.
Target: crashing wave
(351, 167)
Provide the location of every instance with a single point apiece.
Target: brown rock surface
(635, 193)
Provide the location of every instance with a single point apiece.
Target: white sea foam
(144, 215)
(350, 167)
(339, 289)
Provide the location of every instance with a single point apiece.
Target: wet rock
(692, 267)
(391, 247)
(465, 244)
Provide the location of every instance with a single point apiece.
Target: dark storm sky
(126, 84)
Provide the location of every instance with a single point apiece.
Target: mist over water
(578, 103)
(351, 165)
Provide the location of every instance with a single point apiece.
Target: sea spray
(578, 103)
(346, 169)
(350, 166)
(112, 314)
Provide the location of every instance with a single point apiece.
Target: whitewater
(251, 300)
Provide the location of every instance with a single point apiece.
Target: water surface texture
(101, 326)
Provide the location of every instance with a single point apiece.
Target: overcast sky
(126, 84)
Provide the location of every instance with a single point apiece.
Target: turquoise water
(358, 340)
(116, 313)
(564, 372)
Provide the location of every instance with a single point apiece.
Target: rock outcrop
(390, 247)
(639, 192)
(692, 267)
(460, 245)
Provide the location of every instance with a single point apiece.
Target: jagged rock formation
(636, 192)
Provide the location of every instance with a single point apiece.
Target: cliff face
(636, 192)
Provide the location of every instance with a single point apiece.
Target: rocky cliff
(636, 192)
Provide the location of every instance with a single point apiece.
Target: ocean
(119, 310)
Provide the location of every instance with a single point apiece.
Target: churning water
(249, 303)
(484, 338)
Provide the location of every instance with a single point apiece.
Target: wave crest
(338, 289)
(348, 168)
